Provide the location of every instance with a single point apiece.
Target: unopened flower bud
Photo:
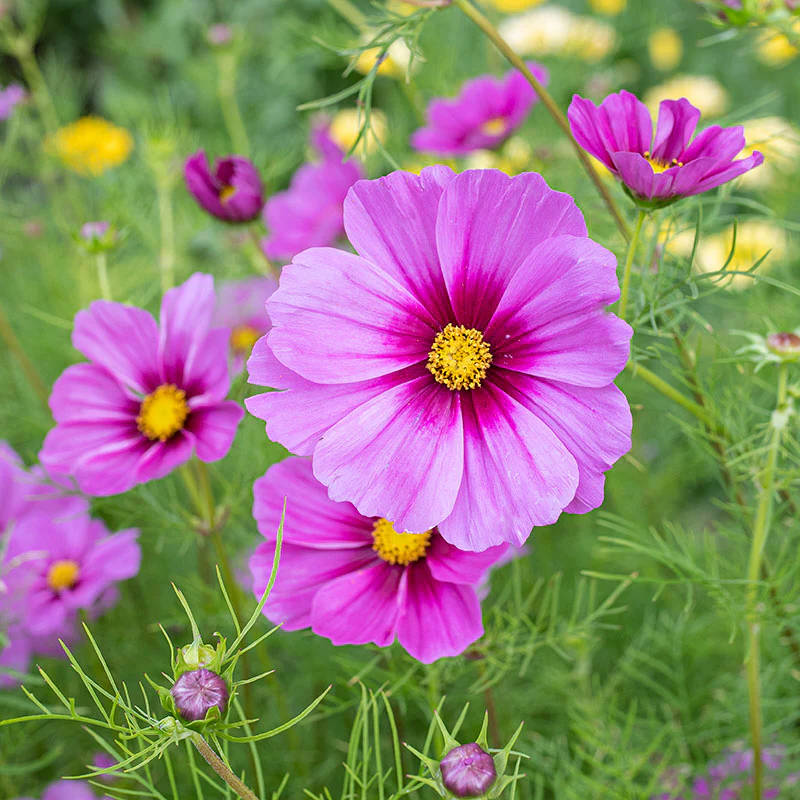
(94, 230)
(197, 691)
(220, 34)
(468, 771)
(785, 345)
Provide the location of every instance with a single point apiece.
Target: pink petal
(338, 319)
(677, 120)
(448, 563)
(161, 458)
(517, 473)
(214, 428)
(206, 375)
(439, 619)
(398, 455)
(636, 173)
(90, 393)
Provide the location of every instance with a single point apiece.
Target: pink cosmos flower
(485, 113)
(309, 212)
(232, 193)
(241, 307)
(150, 397)
(10, 97)
(67, 790)
(458, 372)
(354, 579)
(656, 172)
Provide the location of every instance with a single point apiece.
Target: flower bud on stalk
(468, 771)
(197, 691)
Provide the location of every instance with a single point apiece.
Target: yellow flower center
(398, 548)
(62, 575)
(459, 357)
(659, 166)
(226, 192)
(243, 337)
(494, 126)
(163, 412)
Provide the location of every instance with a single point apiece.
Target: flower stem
(548, 102)
(15, 346)
(102, 276)
(350, 12)
(226, 89)
(261, 261)
(222, 769)
(626, 275)
(760, 531)
(167, 255)
(23, 52)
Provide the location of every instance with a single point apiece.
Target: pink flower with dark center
(355, 579)
(232, 193)
(241, 307)
(468, 771)
(150, 397)
(309, 212)
(484, 114)
(458, 373)
(657, 171)
(197, 691)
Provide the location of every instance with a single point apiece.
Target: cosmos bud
(468, 771)
(785, 345)
(197, 691)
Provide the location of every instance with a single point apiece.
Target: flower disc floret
(163, 412)
(63, 574)
(459, 357)
(398, 548)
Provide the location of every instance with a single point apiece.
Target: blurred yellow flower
(776, 49)
(347, 123)
(754, 239)
(553, 30)
(399, 7)
(394, 65)
(512, 6)
(700, 90)
(609, 7)
(665, 48)
(779, 141)
(512, 158)
(90, 145)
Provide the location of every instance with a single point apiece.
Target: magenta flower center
(659, 165)
(62, 575)
(243, 337)
(163, 412)
(398, 548)
(459, 357)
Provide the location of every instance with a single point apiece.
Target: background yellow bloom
(665, 48)
(701, 91)
(609, 7)
(347, 123)
(511, 6)
(91, 145)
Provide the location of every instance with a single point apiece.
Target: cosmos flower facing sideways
(485, 113)
(657, 171)
(150, 397)
(458, 372)
(355, 579)
(232, 192)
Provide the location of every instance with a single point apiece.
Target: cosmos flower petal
(90, 393)
(312, 518)
(160, 458)
(361, 606)
(122, 339)
(112, 558)
(398, 455)
(449, 564)
(206, 378)
(517, 473)
(439, 619)
(481, 251)
(302, 571)
(733, 170)
(677, 121)
(16, 655)
(391, 222)
(338, 319)
(214, 428)
(720, 144)
(69, 790)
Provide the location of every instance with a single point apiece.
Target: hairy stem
(626, 275)
(759, 540)
(226, 89)
(15, 347)
(548, 102)
(222, 769)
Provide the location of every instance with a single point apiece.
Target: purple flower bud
(220, 34)
(197, 691)
(784, 344)
(93, 230)
(104, 761)
(233, 192)
(468, 771)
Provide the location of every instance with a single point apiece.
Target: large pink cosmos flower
(658, 171)
(150, 397)
(458, 372)
(354, 580)
(485, 113)
(309, 212)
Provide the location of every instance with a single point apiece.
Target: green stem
(167, 255)
(226, 89)
(23, 51)
(15, 347)
(260, 259)
(222, 769)
(350, 12)
(547, 101)
(102, 276)
(626, 275)
(760, 532)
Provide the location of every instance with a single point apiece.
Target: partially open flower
(468, 770)
(198, 691)
(232, 192)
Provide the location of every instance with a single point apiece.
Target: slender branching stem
(548, 102)
(626, 275)
(759, 540)
(166, 259)
(23, 52)
(222, 769)
(102, 276)
(18, 351)
(226, 89)
(350, 12)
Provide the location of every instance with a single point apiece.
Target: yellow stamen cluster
(243, 337)
(660, 166)
(398, 548)
(225, 193)
(91, 145)
(163, 412)
(459, 357)
(494, 126)
(62, 575)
